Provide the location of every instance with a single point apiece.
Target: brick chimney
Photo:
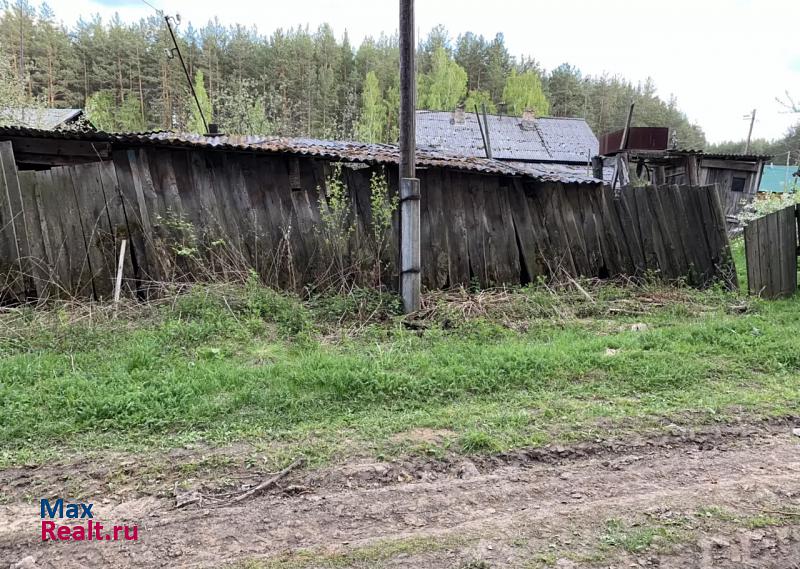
(458, 115)
(528, 115)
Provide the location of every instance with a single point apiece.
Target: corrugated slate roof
(45, 119)
(544, 139)
(338, 150)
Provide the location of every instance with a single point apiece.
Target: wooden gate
(771, 250)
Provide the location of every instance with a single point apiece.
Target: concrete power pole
(410, 277)
(750, 132)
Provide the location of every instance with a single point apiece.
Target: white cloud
(721, 58)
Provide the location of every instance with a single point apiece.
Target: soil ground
(723, 497)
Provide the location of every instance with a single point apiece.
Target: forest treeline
(296, 82)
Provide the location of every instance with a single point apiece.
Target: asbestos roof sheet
(46, 119)
(329, 149)
(543, 139)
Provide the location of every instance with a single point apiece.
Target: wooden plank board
(643, 224)
(661, 233)
(267, 236)
(477, 238)
(561, 257)
(96, 227)
(626, 212)
(80, 275)
(456, 230)
(619, 248)
(13, 228)
(788, 251)
(681, 236)
(692, 199)
(527, 232)
(725, 267)
(569, 211)
(752, 257)
(37, 262)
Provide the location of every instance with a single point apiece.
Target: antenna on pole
(170, 55)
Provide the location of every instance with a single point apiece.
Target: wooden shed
(189, 204)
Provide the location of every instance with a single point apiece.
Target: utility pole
(177, 50)
(410, 277)
(752, 118)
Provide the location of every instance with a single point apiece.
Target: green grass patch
(497, 369)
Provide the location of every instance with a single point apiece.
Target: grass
(340, 375)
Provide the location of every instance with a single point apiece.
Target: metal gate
(771, 249)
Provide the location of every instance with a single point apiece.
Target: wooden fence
(187, 213)
(771, 250)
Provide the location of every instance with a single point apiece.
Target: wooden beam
(729, 165)
(60, 148)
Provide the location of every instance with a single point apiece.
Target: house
(43, 118)
(541, 145)
(649, 159)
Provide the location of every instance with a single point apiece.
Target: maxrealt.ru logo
(86, 528)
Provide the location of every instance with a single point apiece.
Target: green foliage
(195, 123)
(769, 203)
(12, 92)
(372, 123)
(444, 86)
(524, 91)
(479, 98)
(242, 110)
(634, 539)
(100, 108)
(382, 208)
(295, 82)
(224, 363)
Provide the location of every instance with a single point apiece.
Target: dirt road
(723, 498)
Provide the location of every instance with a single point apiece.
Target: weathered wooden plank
(788, 251)
(37, 262)
(765, 288)
(435, 235)
(535, 197)
(477, 239)
(680, 232)
(693, 200)
(95, 225)
(625, 207)
(118, 224)
(594, 237)
(661, 232)
(751, 257)
(141, 254)
(504, 256)
(527, 233)
(726, 269)
(619, 248)
(561, 258)
(74, 241)
(267, 235)
(643, 223)
(569, 211)
(53, 234)
(456, 230)
(13, 228)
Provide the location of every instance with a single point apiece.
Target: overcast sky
(721, 58)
